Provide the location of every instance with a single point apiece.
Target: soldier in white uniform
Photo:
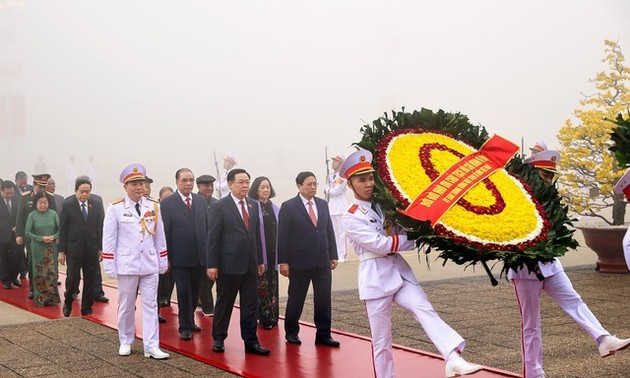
(623, 187)
(229, 162)
(134, 251)
(551, 278)
(336, 191)
(386, 277)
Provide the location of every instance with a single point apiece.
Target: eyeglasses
(311, 185)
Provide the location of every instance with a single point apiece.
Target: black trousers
(165, 286)
(299, 281)
(187, 283)
(88, 264)
(205, 292)
(228, 286)
(11, 255)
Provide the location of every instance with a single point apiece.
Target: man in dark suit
(185, 216)
(235, 261)
(205, 186)
(9, 250)
(21, 183)
(80, 244)
(307, 252)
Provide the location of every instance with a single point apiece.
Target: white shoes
(156, 353)
(456, 366)
(610, 344)
(124, 350)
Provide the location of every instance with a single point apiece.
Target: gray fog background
(166, 83)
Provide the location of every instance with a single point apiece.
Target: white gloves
(111, 274)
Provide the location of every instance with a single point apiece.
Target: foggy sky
(166, 83)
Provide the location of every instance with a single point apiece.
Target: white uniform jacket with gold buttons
(134, 244)
(382, 270)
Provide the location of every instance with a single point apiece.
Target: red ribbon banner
(453, 184)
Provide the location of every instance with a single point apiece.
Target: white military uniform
(386, 277)
(626, 247)
(224, 189)
(134, 248)
(558, 286)
(555, 283)
(623, 187)
(337, 205)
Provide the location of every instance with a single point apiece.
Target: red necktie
(188, 203)
(311, 213)
(245, 215)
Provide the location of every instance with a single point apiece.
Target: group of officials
(79, 236)
(183, 234)
(194, 241)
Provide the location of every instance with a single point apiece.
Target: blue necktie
(84, 211)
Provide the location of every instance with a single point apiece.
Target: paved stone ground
(487, 317)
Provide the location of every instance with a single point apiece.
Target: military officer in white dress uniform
(553, 280)
(336, 190)
(623, 187)
(386, 277)
(134, 251)
(229, 162)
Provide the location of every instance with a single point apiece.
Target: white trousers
(413, 298)
(560, 289)
(128, 287)
(340, 236)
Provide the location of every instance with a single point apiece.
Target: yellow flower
(498, 210)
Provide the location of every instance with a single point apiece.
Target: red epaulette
(353, 208)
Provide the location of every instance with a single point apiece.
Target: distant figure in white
(90, 171)
(71, 174)
(336, 191)
(40, 165)
(229, 162)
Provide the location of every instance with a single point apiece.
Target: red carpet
(352, 359)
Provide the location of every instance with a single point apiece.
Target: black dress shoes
(257, 349)
(67, 309)
(161, 319)
(30, 295)
(17, 283)
(195, 328)
(102, 299)
(6, 285)
(327, 341)
(185, 334)
(218, 347)
(87, 311)
(293, 339)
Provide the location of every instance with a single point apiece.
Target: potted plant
(589, 168)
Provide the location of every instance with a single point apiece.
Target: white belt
(371, 255)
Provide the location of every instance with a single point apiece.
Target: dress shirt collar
(183, 197)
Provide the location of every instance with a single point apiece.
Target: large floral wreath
(510, 216)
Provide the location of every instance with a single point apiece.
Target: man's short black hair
(7, 184)
(80, 181)
(303, 176)
(20, 174)
(234, 172)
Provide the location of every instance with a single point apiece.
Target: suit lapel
(237, 212)
(181, 205)
(302, 209)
